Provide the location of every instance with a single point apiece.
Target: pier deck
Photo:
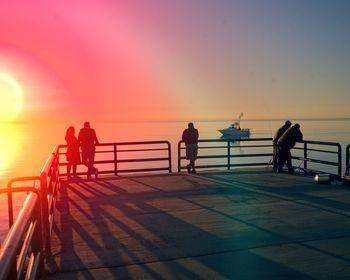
(246, 224)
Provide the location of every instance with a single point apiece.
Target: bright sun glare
(10, 98)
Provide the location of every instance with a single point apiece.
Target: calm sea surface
(25, 147)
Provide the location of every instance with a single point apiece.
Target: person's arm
(300, 136)
(183, 135)
(96, 140)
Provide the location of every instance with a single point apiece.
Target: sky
(163, 60)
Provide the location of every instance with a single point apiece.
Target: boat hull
(235, 133)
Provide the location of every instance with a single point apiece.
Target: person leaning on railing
(190, 137)
(88, 140)
(285, 143)
(278, 134)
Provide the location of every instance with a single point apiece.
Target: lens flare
(11, 98)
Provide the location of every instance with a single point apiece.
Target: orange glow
(10, 98)
(9, 146)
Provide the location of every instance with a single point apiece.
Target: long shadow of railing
(158, 232)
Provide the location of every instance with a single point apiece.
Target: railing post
(115, 159)
(38, 244)
(45, 214)
(347, 167)
(228, 155)
(179, 157)
(305, 157)
(169, 156)
(339, 161)
(10, 205)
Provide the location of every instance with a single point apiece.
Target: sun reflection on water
(9, 147)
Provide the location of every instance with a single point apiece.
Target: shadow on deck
(247, 224)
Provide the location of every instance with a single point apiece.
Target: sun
(11, 99)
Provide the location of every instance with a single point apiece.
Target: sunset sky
(176, 60)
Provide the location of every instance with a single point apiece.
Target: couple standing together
(87, 140)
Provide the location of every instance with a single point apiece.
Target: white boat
(235, 131)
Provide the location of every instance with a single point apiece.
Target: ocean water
(24, 147)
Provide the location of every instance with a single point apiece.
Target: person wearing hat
(285, 143)
(278, 134)
(88, 140)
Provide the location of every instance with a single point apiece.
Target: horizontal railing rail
(118, 149)
(227, 146)
(324, 149)
(347, 163)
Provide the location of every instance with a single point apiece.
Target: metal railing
(28, 240)
(307, 151)
(24, 240)
(29, 236)
(347, 162)
(227, 146)
(115, 152)
(307, 147)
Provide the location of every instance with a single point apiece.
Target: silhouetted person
(190, 137)
(88, 140)
(278, 134)
(73, 153)
(285, 143)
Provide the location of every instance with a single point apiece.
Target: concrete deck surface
(246, 224)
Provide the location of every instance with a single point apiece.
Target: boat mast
(239, 118)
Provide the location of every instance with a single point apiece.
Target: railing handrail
(12, 244)
(232, 140)
(326, 143)
(125, 143)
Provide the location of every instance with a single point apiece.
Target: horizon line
(182, 120)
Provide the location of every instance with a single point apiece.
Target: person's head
(190, 125)
(288, 123)
(70, 131)
(297, 126)
(86, 124)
